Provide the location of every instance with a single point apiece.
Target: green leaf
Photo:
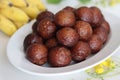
(54, 1)
(84, 1)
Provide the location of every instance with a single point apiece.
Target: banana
(7, 26)
(13, 13)
(19, 24)
(31, 10)
(37, 3)
(19, 3)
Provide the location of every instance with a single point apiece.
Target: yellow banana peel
(31, 10)
(7, 26)
(18, 3)
(19, 24)
(15, 13)
(37, 3)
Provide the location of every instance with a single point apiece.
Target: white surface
(8, 72)
(16, 54)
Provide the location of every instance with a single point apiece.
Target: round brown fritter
(37, 54)
(59, 57)
(65, 18)
(101, 32)
(84, 14)
(67, 36)
(52, 42)
(97, 16)
(106, 26)
(45, 14)
(34, 26)
(80, 51)
(84, 30)
(95, 43)
(30, 39)
(46, 28)
(69, 8)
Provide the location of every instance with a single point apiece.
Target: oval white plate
(17, 58)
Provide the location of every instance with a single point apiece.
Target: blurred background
(112, 6)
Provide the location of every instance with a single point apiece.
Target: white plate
(16, 54)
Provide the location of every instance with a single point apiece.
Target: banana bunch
(16, 13)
